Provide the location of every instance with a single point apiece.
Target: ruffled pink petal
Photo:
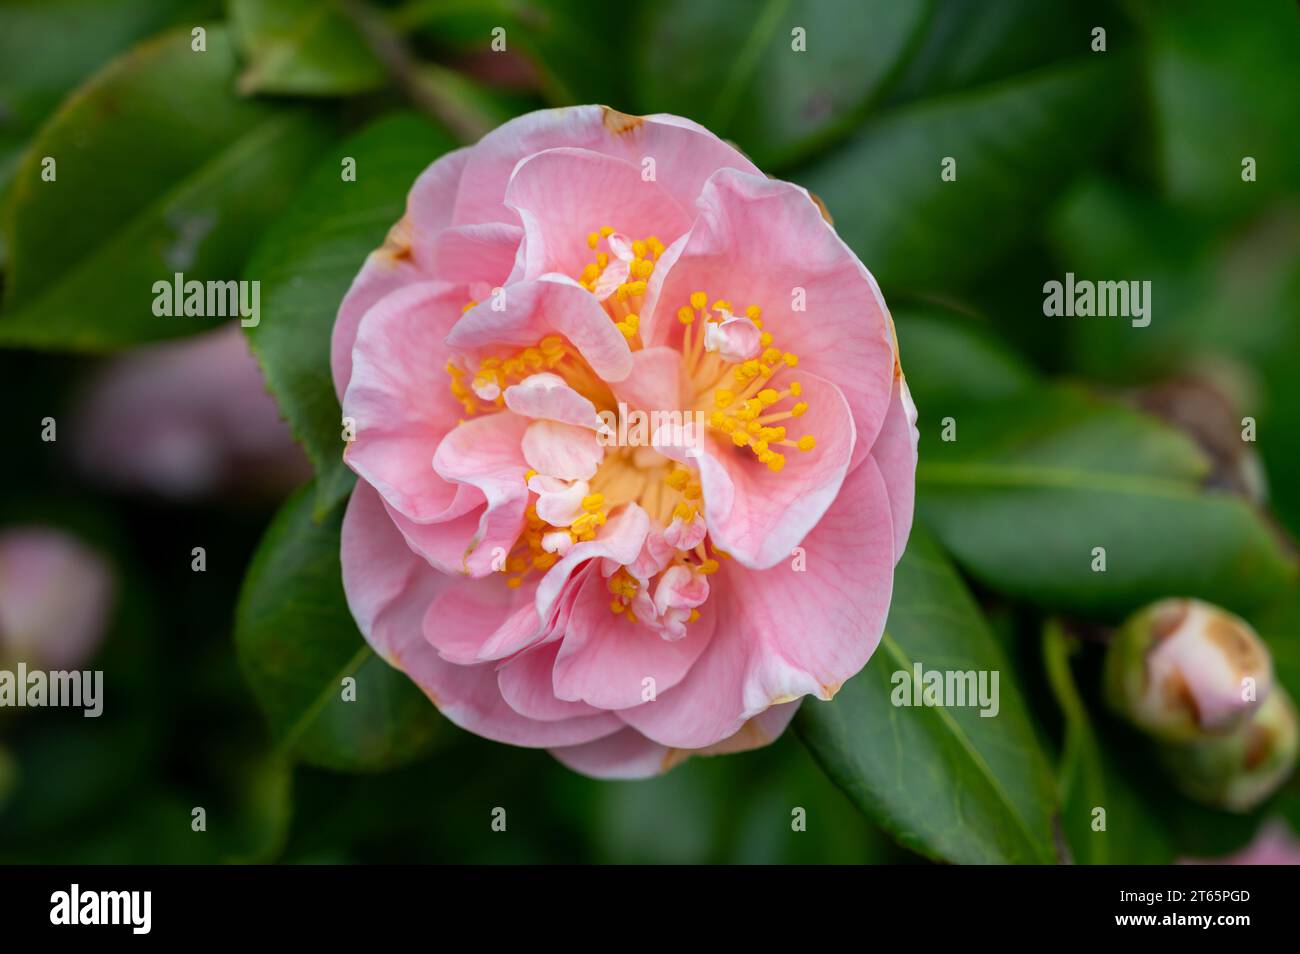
(685, 154)
(566, 451)
(757, 241)
(619, 540)
(764, 729)
(785, 633)
(758, 516)
(481, 620)
(527, 312)
(605, 659)
(404, 258)
(561, 195)
(547, 396)
(895, 455)
(626, 754)
(484, 453)
(526, 685)
(400, 400)
(389, 590)
(477, 257)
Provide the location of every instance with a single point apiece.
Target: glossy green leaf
(946, 782)
(1015, 143)
(972, 42)
(297, 643)
(306, 263)
(302, 47)
(951, 361)
(737, 67)
(1222, 77)
(1103, 816)
(1032, 485)
(160, 169)
(49, 46)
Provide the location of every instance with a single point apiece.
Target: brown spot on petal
(1259, 746)
(673, 758)
(826, 213)
(1178, 695)
(1168, 618)
(1242, 650)
(620, 123)
(397, 244)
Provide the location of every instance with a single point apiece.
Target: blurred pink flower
(55, 598)
(549, 574)
(1273, 844)
(185, 420)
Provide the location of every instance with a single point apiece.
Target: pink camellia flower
(636, 454)
(56, 597)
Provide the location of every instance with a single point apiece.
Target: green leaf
(297, 642)
(1130, 831)
(160, 169)
(971, 42)
(733, 66)
(302, 48)
(49, 46)
(306, 262)
(1016, 144)
(947, 782)
(951, 361)
(1222, 77)
(1033, 484)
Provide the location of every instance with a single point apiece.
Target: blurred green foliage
(1122, 164)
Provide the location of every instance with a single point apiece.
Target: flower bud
(1240, 770)
(1182, 669)
(55, 597)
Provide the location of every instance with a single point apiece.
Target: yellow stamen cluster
(503, 372)
(527, 554)
(624, 586)
(743, 407)
(627, 297)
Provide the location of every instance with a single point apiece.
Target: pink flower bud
(1181, 669)
(55, 597)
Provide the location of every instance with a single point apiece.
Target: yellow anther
(721, 305)
(468, 305)
(683, 511)
(771, 356)
(753, 312)
(638, 248)
(693, 492)
(806, 443)
(606, 231)
(602, 259)
(529, 474)
(759, 446)
(776, 462)
(515, 582)
(587, 523)
(685, 315)
(796, 388)
(593, 502)
(699, 300)
(765, 339)
(709, 566)
(799, 409)
(695, 614)
(791, 359)
(551, 344)
(723, 398)
(739, 438)
(592, 239)
(616, 607)
(590, 273)
(656, 246)
(717, 420)
(768, 397)
(643, 268)
(678, 478)
(544, 561)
